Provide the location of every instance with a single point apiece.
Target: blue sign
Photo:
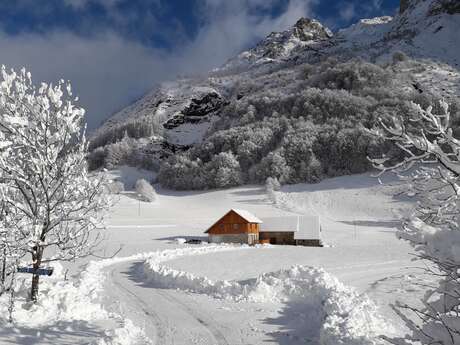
(45, 271)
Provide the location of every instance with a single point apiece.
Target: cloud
(232, 26)
(108, 70)
(348, 11)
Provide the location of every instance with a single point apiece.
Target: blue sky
(115, 50)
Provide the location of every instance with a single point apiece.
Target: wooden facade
(277, 237)
(235, 228)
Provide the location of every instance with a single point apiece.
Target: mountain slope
(304, 82)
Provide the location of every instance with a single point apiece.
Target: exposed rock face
(197, 110)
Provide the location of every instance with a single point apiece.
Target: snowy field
(201, 294)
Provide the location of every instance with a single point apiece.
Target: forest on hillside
(300, 124)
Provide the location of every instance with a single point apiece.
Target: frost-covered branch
(431, 168)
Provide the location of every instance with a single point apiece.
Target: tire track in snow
(177, 322)
(167, 332)
(219, 337)
(161, 335)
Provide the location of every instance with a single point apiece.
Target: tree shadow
(263, 201)
(374, 223)
(298, 322)
(187, 238)
(62, 332)
(255, 190)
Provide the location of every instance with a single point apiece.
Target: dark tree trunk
(37, 260)
(4, 266)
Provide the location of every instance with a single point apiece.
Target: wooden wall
(279, 237)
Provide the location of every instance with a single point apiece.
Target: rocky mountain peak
(281, 45)
(307, 29)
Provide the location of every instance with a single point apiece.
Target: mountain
(305, 82)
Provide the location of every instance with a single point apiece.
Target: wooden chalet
(236, 226)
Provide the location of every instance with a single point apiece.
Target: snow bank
(62, 301)
(339, 315)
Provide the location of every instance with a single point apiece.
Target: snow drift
(63, 302)
(336, 314)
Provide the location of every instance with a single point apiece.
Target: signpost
(42, 271)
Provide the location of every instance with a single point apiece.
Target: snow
(130, 175)
(280, 224)
(304, 227)
(66, 312)
(337, 314)
(366, 31)
(264, 291)
(189, 133)
(247, 215)
(308, 228)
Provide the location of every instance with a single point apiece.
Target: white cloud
(107, 72)
(347, 11)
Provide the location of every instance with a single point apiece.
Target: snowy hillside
(377, 64)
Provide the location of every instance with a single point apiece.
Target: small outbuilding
(236, 226)
(291, 230)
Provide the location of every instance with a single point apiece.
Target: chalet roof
(304, 227)
(247, 215)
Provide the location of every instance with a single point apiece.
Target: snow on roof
(247, 215)
(279, 224)
(304, 227)
(309, 228)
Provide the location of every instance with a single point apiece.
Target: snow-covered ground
(173, 294)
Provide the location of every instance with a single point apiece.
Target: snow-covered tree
(431, 168)
(226, 170)
(145, 190)
(44, 181)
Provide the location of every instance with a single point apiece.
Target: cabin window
(221, 227)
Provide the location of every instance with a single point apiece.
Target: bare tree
(44, 181)
(431, 168)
